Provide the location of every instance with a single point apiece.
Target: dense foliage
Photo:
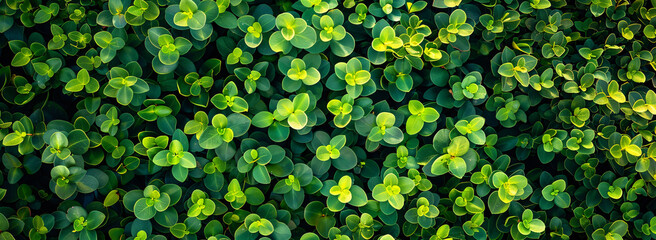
(327, 119)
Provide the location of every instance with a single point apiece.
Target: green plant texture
(327, 119)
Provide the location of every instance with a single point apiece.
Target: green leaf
(496, 205)
(393, 136)
(12, 139)
(305, 39)
(210, 138)
(458, 17)
(414, 124)
(142, 211)
(124, 95)
(506, 70)
(22, 58)
(94, 219)
(458, 146)
(563, 200)
(297, 120)
(634, 150)
(458, 167)
(261, 174)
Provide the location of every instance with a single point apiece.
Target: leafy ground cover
(327, 119)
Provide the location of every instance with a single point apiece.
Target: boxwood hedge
(327, 119)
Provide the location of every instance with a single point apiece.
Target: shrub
(327, 119)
